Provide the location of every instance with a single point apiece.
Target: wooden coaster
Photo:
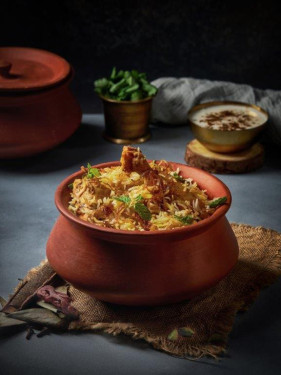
(248, 160)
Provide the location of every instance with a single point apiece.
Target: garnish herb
(139, 207)
(218, 202)
(178, 177)
(184, 219)
(143, 211)
(183, 332)
(186, 332)
(92, 172)
(123, 198)
(125, 85)
(70, 186)
(174, 335)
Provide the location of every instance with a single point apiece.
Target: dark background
(220, 40)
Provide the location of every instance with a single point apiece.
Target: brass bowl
(226, 141)
(126, 122)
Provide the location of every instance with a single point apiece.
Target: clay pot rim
(201, 225)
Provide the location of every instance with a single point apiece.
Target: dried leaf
(6, 322)
(47, 306)
(38, 316)
(216, 338)
(186, 332)
(62, 289)
(174, 335)
(2, 301)
(50, 307)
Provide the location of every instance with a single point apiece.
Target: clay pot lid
(25, 69)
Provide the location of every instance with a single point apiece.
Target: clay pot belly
(34, 123)
(142, 274)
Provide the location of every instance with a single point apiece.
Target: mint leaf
(218, 202)
(92, 172)
(143, 211)
(123, 198)
(139, 198)
(184, 219)
(178, 177)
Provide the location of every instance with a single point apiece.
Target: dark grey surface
(28, 213)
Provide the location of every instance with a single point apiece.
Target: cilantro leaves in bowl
(125, 85)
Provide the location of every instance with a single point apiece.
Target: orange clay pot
(143, 268)
(37, 108)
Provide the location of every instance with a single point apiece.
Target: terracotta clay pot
(37, 109)
(143, 268)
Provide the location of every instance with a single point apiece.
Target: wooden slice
(248, 160)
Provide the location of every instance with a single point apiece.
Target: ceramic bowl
(227, 141)
(143, 268)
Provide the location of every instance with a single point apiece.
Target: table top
(28, 213)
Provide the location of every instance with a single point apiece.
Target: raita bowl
(228, 141)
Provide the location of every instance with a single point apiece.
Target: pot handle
(5, 67)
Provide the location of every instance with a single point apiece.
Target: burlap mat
(210, 316)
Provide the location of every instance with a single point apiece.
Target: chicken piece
(133, 160)
(154, 184)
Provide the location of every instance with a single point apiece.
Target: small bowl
(227, 141)
(126, 122)
(143, 268)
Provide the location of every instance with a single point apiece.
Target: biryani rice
(138, 195)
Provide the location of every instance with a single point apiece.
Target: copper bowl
(126, 122)
(226, 141)
(143, 268)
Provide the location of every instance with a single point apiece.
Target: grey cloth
(176, 96)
